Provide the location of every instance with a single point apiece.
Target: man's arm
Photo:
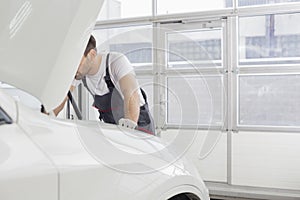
(129, 89)
(61, 106)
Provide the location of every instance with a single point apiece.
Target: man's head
(91, 45)
(87, 59)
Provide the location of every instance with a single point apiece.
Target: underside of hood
(42, 42)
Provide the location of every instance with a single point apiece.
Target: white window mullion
(230, 55)
(159, 79)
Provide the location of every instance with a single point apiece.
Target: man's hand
(51, 113)
(127, 123)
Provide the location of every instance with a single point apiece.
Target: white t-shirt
(119, 66)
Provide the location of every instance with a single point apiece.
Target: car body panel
(110, 162)
(8, 104)
(25, 172)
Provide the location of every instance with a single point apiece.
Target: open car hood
(42, 42)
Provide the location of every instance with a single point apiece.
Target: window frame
(166, 72)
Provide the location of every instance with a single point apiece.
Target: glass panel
(194, 100)
(260, 2)
(117, 9)
(171, 6)
(147, 85)
(4, 118)
(269, 39)
(202, 48)
(134, 42)
(269, 100)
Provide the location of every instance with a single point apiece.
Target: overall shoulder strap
(86, 86)
(144, 95)
(107, 79)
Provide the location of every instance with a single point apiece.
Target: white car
(45, 158)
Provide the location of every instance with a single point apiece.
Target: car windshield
(4, 118)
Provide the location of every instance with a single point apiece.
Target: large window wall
(237, 75)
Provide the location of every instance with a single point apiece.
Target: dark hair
(91, 45)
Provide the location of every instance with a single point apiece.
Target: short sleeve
(120, 66)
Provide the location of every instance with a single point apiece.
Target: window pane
(269, 100)
(194, 100)
(269, 39)
(134, 42)
(116, 9)
(171, 6)
(260, 2)
(198, 48)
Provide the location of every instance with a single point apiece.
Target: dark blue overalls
(111, 105)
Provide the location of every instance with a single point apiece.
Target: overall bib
(111, 106)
